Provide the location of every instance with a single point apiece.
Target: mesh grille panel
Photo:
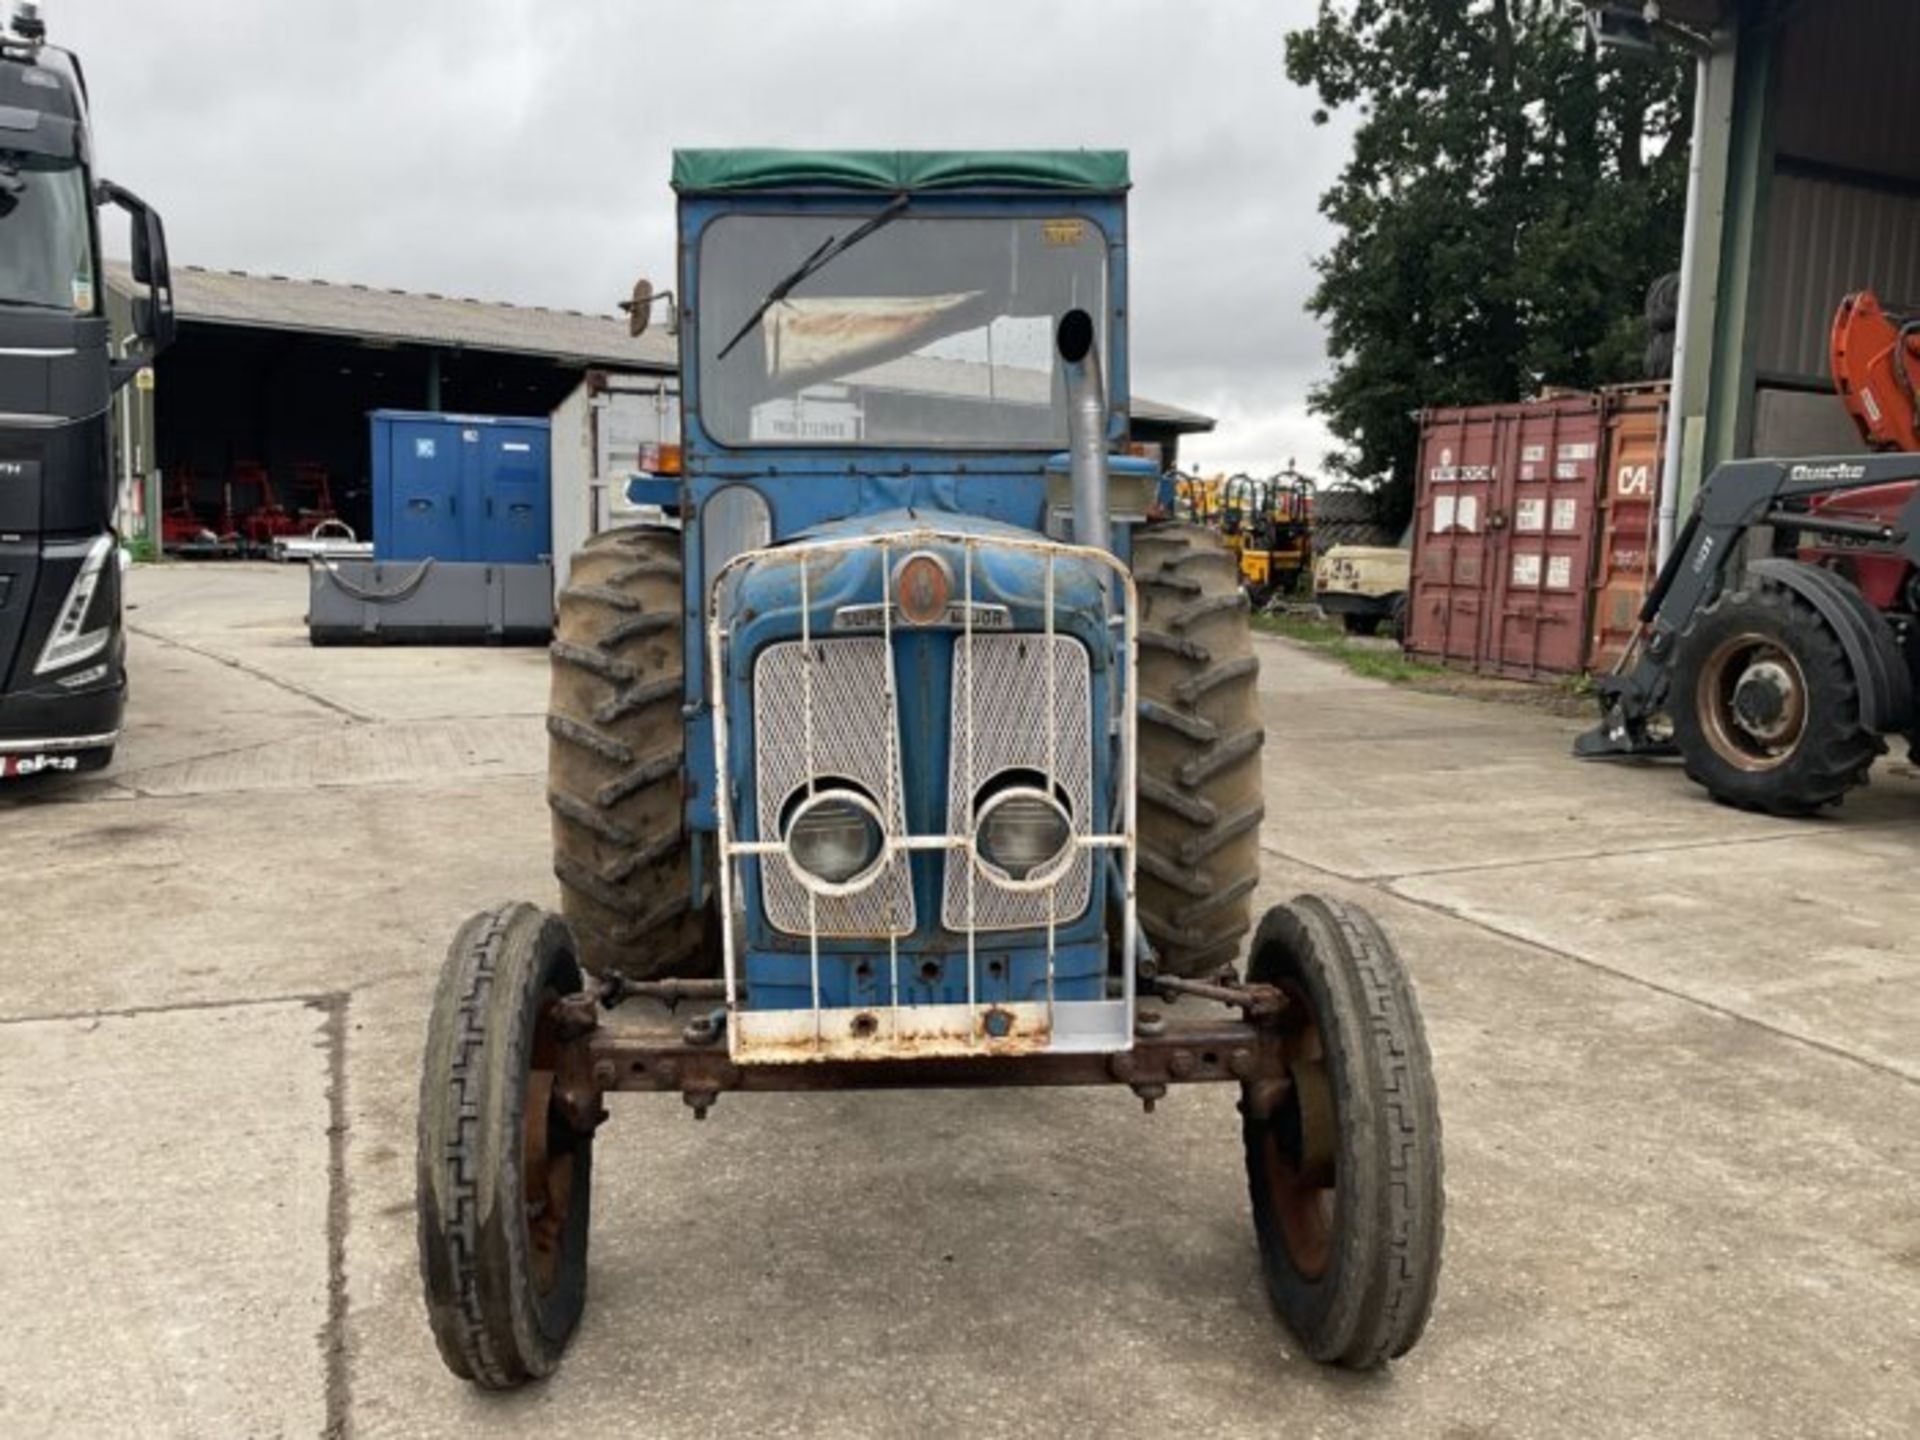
(1011, 722)
(851, 725)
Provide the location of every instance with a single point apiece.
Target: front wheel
(504, 1181)
(1344, 1162)
(1766, 707)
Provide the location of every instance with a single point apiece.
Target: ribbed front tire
(504, 1182)
(1343, 1163)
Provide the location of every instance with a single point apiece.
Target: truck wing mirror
(153, 317)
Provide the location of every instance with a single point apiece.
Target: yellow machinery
(1267, 522)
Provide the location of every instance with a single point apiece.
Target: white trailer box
(599, 433)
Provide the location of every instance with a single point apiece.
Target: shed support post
(1712, 412)
(1704, 236)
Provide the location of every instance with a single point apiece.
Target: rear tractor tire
(1766, 707)
(504, 1180)
(1200, 740)
(614, 759)
(1344, 1162)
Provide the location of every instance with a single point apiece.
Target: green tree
(1511, 194)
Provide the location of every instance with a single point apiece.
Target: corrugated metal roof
(366, 312)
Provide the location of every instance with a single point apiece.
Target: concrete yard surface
(1678, 1050)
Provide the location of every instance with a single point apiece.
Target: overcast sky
(518, 151)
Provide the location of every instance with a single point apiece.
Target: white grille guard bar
(895, 1031)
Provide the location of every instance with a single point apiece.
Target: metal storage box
(1503, 535)
(460, 488)
(427, 602)
(1625, 557)
(1536, 531)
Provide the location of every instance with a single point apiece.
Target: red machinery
(251, 516)
(1782, 637)
(1875, 357)
(180, 524)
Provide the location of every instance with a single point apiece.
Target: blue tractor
(915, 755)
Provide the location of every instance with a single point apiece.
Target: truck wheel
(504, 1182)
(1344, 1163)
(1765, 706)
(1397, 619)
(1200, 739)
(1357, 623)
(614, 751)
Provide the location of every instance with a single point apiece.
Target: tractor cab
(912, 691)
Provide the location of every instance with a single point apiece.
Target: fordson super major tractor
(913, 758)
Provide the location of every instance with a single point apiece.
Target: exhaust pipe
(1086, 429)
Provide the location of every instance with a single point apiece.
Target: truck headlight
(1024, 834)
(69, 642)
(834, 840)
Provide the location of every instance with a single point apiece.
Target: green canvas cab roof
(1101, 172)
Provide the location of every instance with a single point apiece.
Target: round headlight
(834, 839)
(923, 585)
(1024, 834)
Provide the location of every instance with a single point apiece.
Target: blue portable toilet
(460, 488)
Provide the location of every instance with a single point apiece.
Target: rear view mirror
(153, 318)
(150, 268)
(639, 307)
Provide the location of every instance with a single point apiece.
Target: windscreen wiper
(830, 250)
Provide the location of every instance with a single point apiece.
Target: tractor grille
(855, 735)
(1026, 714)
(826, 708)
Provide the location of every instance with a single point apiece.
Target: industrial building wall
(228, 397)
(1842, 209)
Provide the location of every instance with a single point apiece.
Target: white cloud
(519, 151)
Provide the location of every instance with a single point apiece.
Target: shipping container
(1504, 535)
(1626, 557)
(460, 488)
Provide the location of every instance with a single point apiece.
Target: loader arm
(1736, 498)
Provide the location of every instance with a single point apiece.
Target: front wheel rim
(1299, 1147)
(546, 1160)
(1753, 701)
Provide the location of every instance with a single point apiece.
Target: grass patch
(1373, 661)
(1300, 627)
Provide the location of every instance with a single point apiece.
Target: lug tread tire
(615, 755)
(1836, 751)
(1200, 742)
(1356, 622)
(1372, 1303)
(490, 1323)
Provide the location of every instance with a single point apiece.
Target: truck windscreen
(931, 331)
(46, 238)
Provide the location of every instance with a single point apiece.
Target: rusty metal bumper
(652, 1053)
